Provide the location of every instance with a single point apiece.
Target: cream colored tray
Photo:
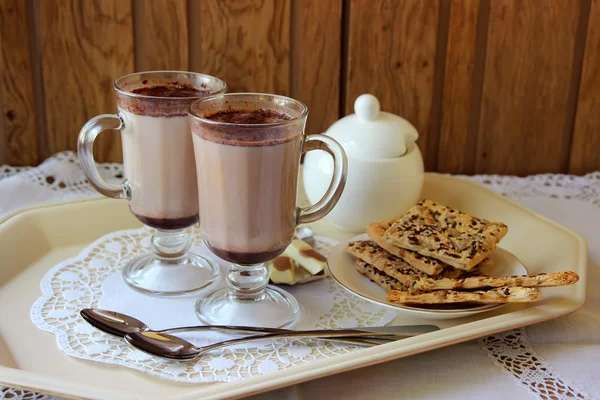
(33, 240)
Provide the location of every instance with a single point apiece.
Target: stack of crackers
(433, 254)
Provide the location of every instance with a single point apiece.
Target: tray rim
(17, 378)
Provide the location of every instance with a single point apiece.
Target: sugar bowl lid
(372, 133)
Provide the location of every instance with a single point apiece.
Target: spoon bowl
(162, 345)
(112, 322)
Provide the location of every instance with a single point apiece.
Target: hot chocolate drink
(249, 172)
(158, 154)
(248, 148)
(160, 183)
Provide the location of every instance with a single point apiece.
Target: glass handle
(85, 146)
(340, 170)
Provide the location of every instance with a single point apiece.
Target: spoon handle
(326, 334)
(394, 331)
(176, 348)
(224, 329)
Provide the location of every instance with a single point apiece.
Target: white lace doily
(7, 393)
(92, 279)
(511, 351)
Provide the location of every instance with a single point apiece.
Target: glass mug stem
(171, 246)
(247, 282)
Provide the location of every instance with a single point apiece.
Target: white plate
(342, 269)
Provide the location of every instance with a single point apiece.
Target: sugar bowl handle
(340, 170)
(85, 146)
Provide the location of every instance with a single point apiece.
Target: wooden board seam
(433, 142)
(575, 84)
(483, 19)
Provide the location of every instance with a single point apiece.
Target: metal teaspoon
(120, 324)
(173, 347)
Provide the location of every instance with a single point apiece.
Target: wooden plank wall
(493, 86)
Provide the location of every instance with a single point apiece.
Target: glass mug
(160, 183)
(248, 148)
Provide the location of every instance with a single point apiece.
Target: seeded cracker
(446, 234)
(380, 278)
(428, 265)
(417, 281)
(402, 296)
(515, 294)
(397, 268)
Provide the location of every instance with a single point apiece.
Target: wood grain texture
(161, 35)
(18, 140)
(493, 86)
(458, 140)
(524, 111)
(391, 53)
(246, 43)
(315, 60)
(585, 148)
(86, 44)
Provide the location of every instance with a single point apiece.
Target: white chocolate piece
(285, 272)
(303, 254)
(290, 273)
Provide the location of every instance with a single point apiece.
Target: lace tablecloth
(558, 359)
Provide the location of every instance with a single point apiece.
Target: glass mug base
(152, 275)
(275, 308)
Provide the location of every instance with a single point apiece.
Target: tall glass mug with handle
(248, 148)
(160, 183)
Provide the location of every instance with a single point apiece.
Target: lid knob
(366, 107)
(370, 133)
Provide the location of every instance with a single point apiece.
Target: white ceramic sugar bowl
(385, 167)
